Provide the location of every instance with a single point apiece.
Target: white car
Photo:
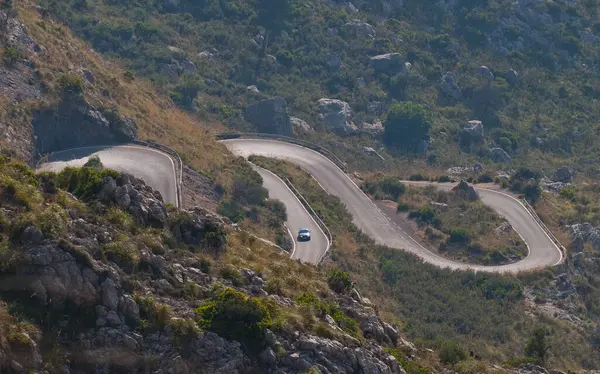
(304, 235)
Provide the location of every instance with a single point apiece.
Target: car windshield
(303, 231)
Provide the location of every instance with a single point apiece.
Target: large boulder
(389, 63)
(564, 174)
(499, 155)
(300, 126)
(485, 73)
(361, 28)
(336, 115)
(513, 77)
(449, 87)
(473, 132)
(464, 191)
(75, 123)
(270, 116)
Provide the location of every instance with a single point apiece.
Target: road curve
(156, 168)
(371, 220)
(298, 218)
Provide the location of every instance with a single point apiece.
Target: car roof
(304, 229)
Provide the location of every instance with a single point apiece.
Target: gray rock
(503, 228)
(216, 355)
(464, 191)
(361, 28)
(500, 155)
(32, 236)
(374, 128)
(300, 126)
(89, 76)
(75, 123)
(270, 116)
(473, 132)
(268, 357)
(577, 244)
(206, 55)
(512, 77)
(130, 342)
(333, 61)
(157, 212)
(449, 87)
(110, 295)
(485, 73)
(188, 66)
(390, 63)
(122, 196)
(171, 70)
(253, 88)
(129, 308)
(564, 174)
(16, 34)
(376, 107)
(336, 115)
(113, 318)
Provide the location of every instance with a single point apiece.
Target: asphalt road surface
(371, 220)
(310, 251)
(156, 168)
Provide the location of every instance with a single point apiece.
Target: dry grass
(294, 277)
(478, 219)
(157, 117)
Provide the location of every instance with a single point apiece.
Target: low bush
(155, 316)
(232, 275)
(459, 235)
(83, 182)
(236, 316)
(451, 353)
(339, 280)
(71, 84)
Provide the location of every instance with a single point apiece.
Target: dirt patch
(199, 190)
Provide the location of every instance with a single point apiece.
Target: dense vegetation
(306, 50)
(485, 316)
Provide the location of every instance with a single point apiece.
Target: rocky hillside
(124, 284)
(98, 275)
(501, 81)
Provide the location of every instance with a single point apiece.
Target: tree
(271, 15)
(537, 346)
(407, 125)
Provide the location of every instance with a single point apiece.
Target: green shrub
(232, 210)
(339, 280)
(459, 235)
(155, 315)
(123, 252)
(451, 353)
(402, 207)
(10, 55)
(235, 316)
(568, 193)
(232, 275)
(129, 75)
(444, 179)
(94, 162)
(407, 125)
(84, 182)
(537, 346)
(70, 84)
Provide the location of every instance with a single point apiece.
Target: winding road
(543, 252)
(158, 170)
(298, 218)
